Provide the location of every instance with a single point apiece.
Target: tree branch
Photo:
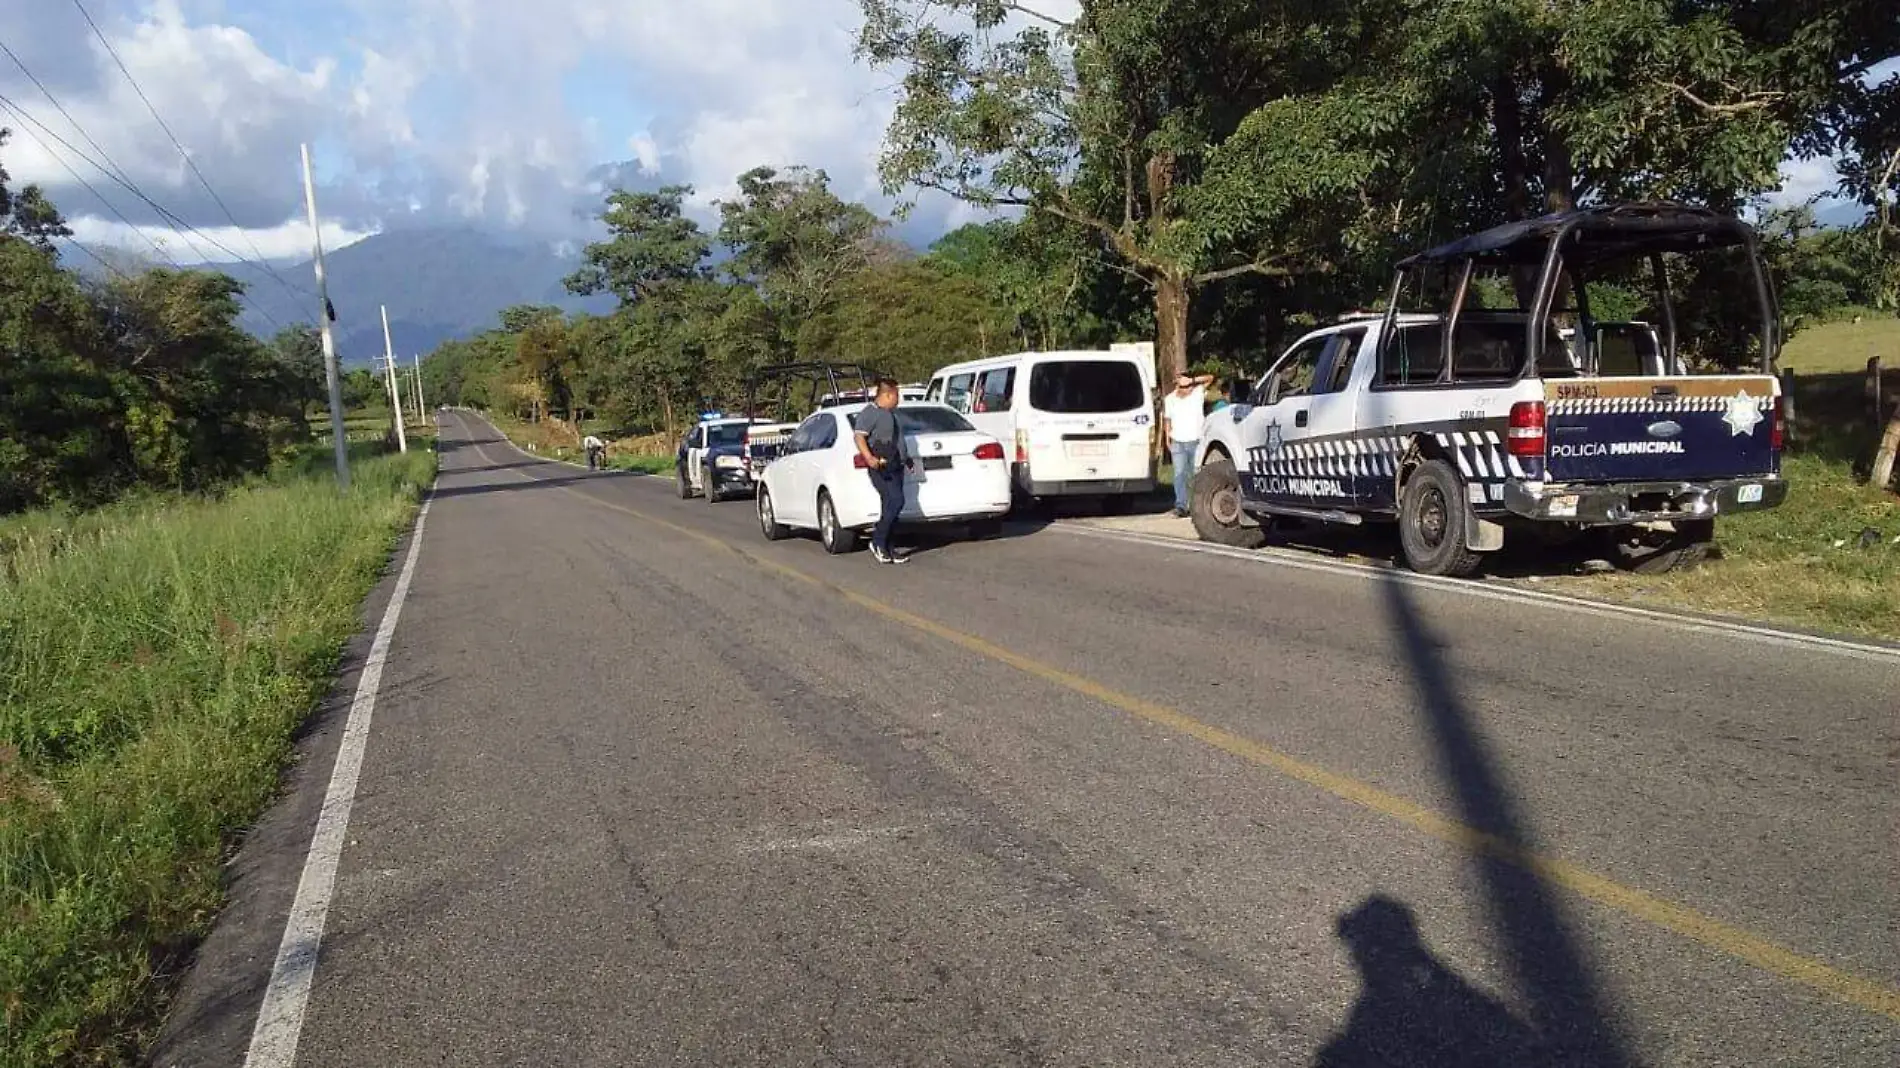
(1051, 20)
(1753, 101)
(1273, 267)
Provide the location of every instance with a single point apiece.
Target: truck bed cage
(811, 374)
(1596, 235)
(1564, 248)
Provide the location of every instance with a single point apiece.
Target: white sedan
(957, 475)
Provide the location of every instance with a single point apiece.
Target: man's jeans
(889, 483)
(1182, 453)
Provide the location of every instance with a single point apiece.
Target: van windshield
(1085, 386)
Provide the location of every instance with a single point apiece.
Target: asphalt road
(644, 789)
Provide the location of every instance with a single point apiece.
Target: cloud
(208, 244)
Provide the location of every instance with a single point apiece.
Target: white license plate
(1089, 448)
(1563, 507)
(1749, 494)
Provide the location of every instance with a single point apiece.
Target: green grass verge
(1844, 345)
(155, 659)
(556, 443)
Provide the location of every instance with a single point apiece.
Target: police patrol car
(1461, 424)
(709, 461)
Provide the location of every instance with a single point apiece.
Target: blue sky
(490, 112)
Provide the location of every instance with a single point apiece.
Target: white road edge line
(280, 1017)
(1271, 557)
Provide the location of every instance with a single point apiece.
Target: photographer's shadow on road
(1414, 1011)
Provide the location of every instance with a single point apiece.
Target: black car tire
(1657, 554)
(684, 486)
(1214, 506)
(1432, 518)
(712, 487)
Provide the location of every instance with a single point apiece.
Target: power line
(172, 220)
(95, 257)
(189, 162)
(113, 208)
(137, 192)
(67, 115)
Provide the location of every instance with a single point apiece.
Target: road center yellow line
(1872, 995)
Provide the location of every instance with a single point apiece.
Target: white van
(1076, 423)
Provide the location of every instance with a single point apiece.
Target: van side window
(957, 393)
(935, 393)
(994, 390)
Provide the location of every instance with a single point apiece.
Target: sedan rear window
(1080, 386)
(925, 420)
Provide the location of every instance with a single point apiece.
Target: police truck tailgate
(1660, 429)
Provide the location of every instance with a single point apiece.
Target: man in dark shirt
(881, 443)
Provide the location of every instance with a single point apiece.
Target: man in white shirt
(596, 450)
(1183, 414)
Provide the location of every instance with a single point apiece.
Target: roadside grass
(558, 440)
(156, 659)
(1843, 345)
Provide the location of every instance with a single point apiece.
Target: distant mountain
(437, 283)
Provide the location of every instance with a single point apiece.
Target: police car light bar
(709, 416)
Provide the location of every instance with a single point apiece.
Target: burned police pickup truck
(1463, 424)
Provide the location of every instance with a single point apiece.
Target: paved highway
(641, 788)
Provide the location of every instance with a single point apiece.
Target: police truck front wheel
(712, 487)
(1432, 519)
(1214, 505)
(684, 486)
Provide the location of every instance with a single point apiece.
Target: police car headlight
(728, 461)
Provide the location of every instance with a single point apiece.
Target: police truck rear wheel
(1214, 505)
(1432, 518)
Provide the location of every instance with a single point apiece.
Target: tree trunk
(1889, 449)
(1171, 324)
(1507, 118)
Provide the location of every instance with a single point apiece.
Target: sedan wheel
(768, 520)
(837, 540)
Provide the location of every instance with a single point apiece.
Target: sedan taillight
(989, 450)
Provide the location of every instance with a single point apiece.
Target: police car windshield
(725, 434)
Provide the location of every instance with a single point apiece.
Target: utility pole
(422, 413)
(395, 387)
(325, 316)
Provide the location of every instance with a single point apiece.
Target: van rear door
(1088, 419)
(1667, 429)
